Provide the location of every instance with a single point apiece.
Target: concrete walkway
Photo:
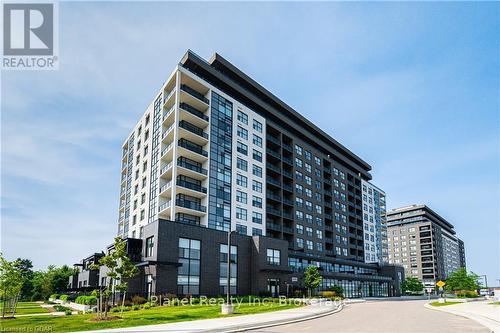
(482, 312)
(237, 323)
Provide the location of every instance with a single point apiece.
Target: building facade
(215, 151)
(375, 229)
(424, 243)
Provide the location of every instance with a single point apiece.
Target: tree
(11, 284)
(412, 285)
(461, 280)
(120, 269)
(312, 278)
(25, 267)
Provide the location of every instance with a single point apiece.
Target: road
(384, 317)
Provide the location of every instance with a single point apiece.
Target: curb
(237, 328)
(430, 307)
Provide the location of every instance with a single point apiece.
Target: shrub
(86, 300)
(466, 294)
(146, 306)
(68, 312)
(115, 309)
(54, 296)
(60, 308)
(328, 294)
(64, 298)
(138, 300)
(136, 307)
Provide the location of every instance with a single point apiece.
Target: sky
(412, 88)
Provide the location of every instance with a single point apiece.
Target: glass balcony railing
(168, 95)
(191, 166)
(193, 111)
(194, 93)
(191, 186)
(165, 187)
(164, 206)
(190, 205)
(167, 113)
(192, 147)
(193, 129)
(165, 168)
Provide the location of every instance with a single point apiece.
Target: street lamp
(228, 308)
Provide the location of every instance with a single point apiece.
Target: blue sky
(412, 88)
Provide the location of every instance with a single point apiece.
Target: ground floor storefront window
(356, 289)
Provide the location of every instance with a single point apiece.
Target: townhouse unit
(216, 152)
(424, 243)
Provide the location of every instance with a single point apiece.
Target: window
(257, 218)
(319, 246)
(309, 245)
(309, 231)
(309, 193)
(299, 202)
(223, 268)
(143, 213)
(307, 155)
(309, 205)
(243, 117)
(298, 150)
(257, 186)
(308, 167)
(300, 229)
(241, 180)
(300, 243)
(256, 232)
(143, 198)
(299, 189)
(242, 148)
(242, 133)
(257, 140)
(144, 166)
(146, 151)
(308, 180)
(309, 218)
(257, 171)
(241, 164)
(257, 202)
(317, 160)
(273, 257)
(241, 213)
(241, 197)
(257, 126)
(298, 175)
(188, 278)
(144, 182)
(149, 246)
(257, 155)
(319, 234)
(241, 229)
(299, 215)
(298, 162)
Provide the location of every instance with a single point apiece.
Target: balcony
(288, 147)
(273, 226)
(164, 190)
(273, 181)
(287, 160)
(168, 134)
(194, 151)
(192, 132)
(194, 115)
(288, 188)
(168, 95)
(164, 206)
(273, 196)
(164, 169)
(287, 201)
(167, 114)
(273, 153)
(193, 205)
(273, 167)
(287, 174)
(166, 153)
(287, 215)
(193, 166)
(273, 211)
(288, 230)
(191, 186)
(194, 93)
(274, 140)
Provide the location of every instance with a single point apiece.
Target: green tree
(120, 270)
(11, 284)
(461, 280)
(25, 267)
(338, 290)
(411, 286)
(312, 278)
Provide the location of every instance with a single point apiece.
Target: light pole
(228, 307)
(485, 281)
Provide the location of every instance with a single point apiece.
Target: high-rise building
(424, 243)
(214, 152)
(375, 229)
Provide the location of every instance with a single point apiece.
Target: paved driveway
(384, 316)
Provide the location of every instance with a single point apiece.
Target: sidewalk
(486, 314)
(237, 323)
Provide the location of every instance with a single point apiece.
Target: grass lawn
(155, 315)
(444, 304)
(28, 308)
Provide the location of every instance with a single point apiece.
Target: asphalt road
(384, 316)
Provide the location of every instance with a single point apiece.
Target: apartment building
(216, 152)
(375, 229)
(424, 243)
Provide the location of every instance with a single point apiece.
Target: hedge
(63, 298)
(86, 300)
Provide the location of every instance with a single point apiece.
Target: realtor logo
(29, 36)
